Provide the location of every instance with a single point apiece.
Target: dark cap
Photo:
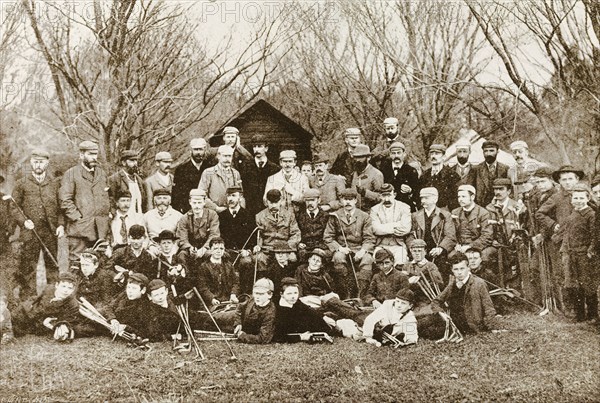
(234, 189)
(162, 192)
(490, 144)
(274, 195)
(129, 155)
(318, 252)
(348, 193)
(318, 158)
(281, 247)
(383, 254)
(386, 188)
(418, 243)
(137, 231)
(544, 172)
(567, 169)
(123, 193)
(67, 277)
(155, 284)
(164, 235)
(138, 278)
(502, 182)
(259, 139)
(406, 295)
(289, 281)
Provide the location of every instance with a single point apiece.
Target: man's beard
(391, 136)
(462, 160)
(132, 170)
(490, 159)
(90, 164)
(360, 166)
(197, 158)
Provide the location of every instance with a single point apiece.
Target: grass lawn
(537, 359)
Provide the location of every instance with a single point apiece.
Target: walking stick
(245, 243)
(9, 197)
(223, 335)
(256, 257)
(349, 256)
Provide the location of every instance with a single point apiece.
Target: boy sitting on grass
(387, 281)
(421, 267)
(128, 312)
(170, 266)
(134, 257)
(217, 279)
(394, 317)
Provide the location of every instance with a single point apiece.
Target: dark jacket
(118, 183)
(312, 229)
(553, 212)
(484, 180)
(198, 232)
(443, 231)
(217, 281)
(285, 228)
(133, 313)
(343, 166)
(478, 307)
(124, 257)
(254, 180)
(85, 202)
(186, 178)
(39, 202)
(258, 323)
(476, 230)
(407, 175)
(446, 183)
(99, 288)
(578, 232)
(299, 318)
(385, 286)
(319, 283)
(236, 230)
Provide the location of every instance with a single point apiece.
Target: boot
(579, 302)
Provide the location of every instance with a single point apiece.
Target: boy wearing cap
(95, 284)
(391, 223)
(134, 257)
(254, 321)
(441, 177)
(488, 171)
(171, 266)
(386, 282)
(216, 180)
(401, 175)
(311, 221)
(36, 208)
(433, 225)
(128, 179)
(198, 226)
(217, 280)
(56, 305)
(421, 267)
(290, 182)
(394, 317)
(162, 217)
(343, 164)
(85, 201)
(578, 249)
(281, 263)
(162, 178)
(187, 175)
(366, 179)
(163, 320)
(467, 297)
(129, 310)
(123, 220)
(329, 186)
(349, 235)
(311, 276)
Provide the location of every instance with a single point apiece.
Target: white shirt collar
(284, 303)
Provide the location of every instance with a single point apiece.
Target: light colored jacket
(214, 182)
(292, 189)
(386, 315)
(153, 183)
(385, 220)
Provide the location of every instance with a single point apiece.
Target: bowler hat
(165, 235)
(273, 195)
(567, 169)
(137, 231)
(318, 158)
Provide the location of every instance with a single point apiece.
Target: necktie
(312, 215)
(276, 215)
(261, 164)
(396, 171)
(233, 213)
(348, 217)
(123, 230)
(459, 284)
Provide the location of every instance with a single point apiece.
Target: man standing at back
(402, 176)
(441, 177)
(128, 180)
(255, 173)
(84, 199)
(161, 179)
(231, 138)
(187, 175)
(343, 164)
(488, 171)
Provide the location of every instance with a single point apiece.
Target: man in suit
(464, 169)
(487, 172)
(127, 179)
(521, 173)
(289, 181)
(343, 164)
(311, 221)
(36, 195)
(402, 176)
(391, 224)
(231, 138)
(329, 186)
(161, 179)
(215, 180)
(441, 177)
(366, 179)
(84, 199)
(198, 226)
(187, 175)
(255, 173)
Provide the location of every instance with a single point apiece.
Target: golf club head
(7, 197)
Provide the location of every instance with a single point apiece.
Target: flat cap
(165, 235)
(418, 243)
(318, 158)
(89, 254)
(406, 295)
(129, 155)
(234, 189)
(273, 195)
(264, 284)
(67, 277)
(318, 252)
(311, 194)
(517, 145)
(468, 188)
(386, 188)
(162, 192)
(230, 129)
(440, 148)
(430, 191)
(155, 284)
(567, 169)
(40, 153)
(352, 131)
(287, 154)
(463, 143)
(544, 172)
(361, 150)
(137, 231)
(225, 149)
(281, 247)
(122, 193)
(138, 278)
(163, 156)
(490, 144)
(390, 121)
(88, 145)
(502, 182)
(197, 193)
(581, 187)
(348, 193)
(383, 254)
(197, 142)
(288, 281)
(397, 145)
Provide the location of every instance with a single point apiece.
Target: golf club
(223, 335)
(349, 257)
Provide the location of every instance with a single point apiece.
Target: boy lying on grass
(394, 317)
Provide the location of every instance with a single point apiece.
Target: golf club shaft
(214, 321)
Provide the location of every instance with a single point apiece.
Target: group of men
(227, 217)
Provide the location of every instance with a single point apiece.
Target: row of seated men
(400, 300)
